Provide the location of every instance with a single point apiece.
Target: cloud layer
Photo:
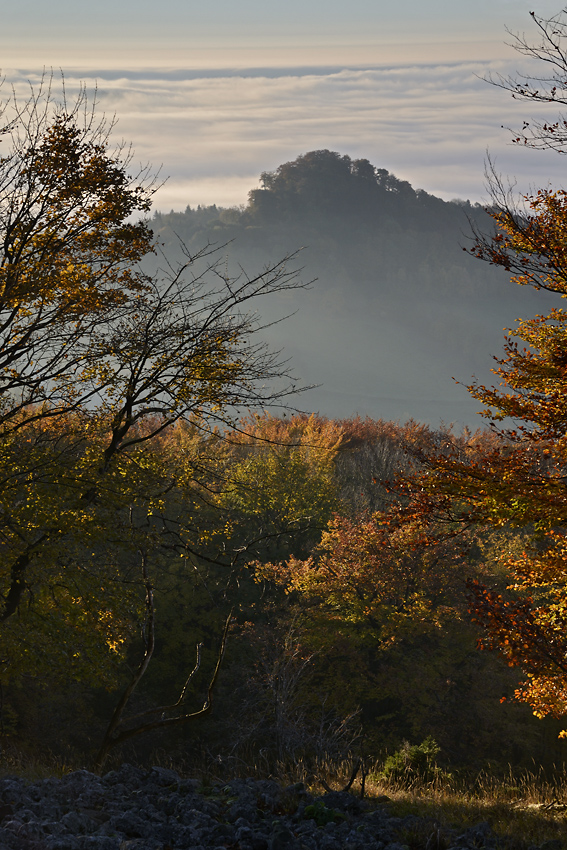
(213, 131)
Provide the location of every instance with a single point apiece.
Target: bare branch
(551, 49)
(114, 738)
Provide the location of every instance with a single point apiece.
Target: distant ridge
(398, 309)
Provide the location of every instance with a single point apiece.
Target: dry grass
(526, 808)
(16, 762)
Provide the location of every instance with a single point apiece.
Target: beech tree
(518, 480)
(371, 582)
(521, 482)
(97, 360)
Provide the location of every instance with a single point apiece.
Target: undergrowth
(32, 766)
(524, 807)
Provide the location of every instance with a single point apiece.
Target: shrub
(413, 762)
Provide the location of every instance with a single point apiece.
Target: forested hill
(398, 308)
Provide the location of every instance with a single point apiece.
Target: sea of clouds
(213, 131)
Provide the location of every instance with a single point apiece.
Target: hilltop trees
(326, 183)
(385, 256)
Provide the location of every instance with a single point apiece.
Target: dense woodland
(191, 565)
(346, 638)
(160, 544)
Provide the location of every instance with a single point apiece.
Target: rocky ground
(134, 809)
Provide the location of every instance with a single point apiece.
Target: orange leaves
(531, 635)
(530, 241)
(519, 480)
(365, 574)
(546, 694)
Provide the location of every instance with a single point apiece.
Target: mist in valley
(398, 317)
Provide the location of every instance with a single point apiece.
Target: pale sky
(216, 92)
(82, 31)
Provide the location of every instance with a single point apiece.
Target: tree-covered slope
(398, 307)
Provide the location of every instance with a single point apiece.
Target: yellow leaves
(543, 234)
(283, 469)
(546, 694)
(67, 236)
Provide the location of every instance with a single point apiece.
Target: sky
(212, 94)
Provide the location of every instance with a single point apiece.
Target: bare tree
(550, 48)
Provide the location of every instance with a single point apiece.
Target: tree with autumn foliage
(518, 480)
(67, 269)
(373, 582)
(380, 608)
(111, 382)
